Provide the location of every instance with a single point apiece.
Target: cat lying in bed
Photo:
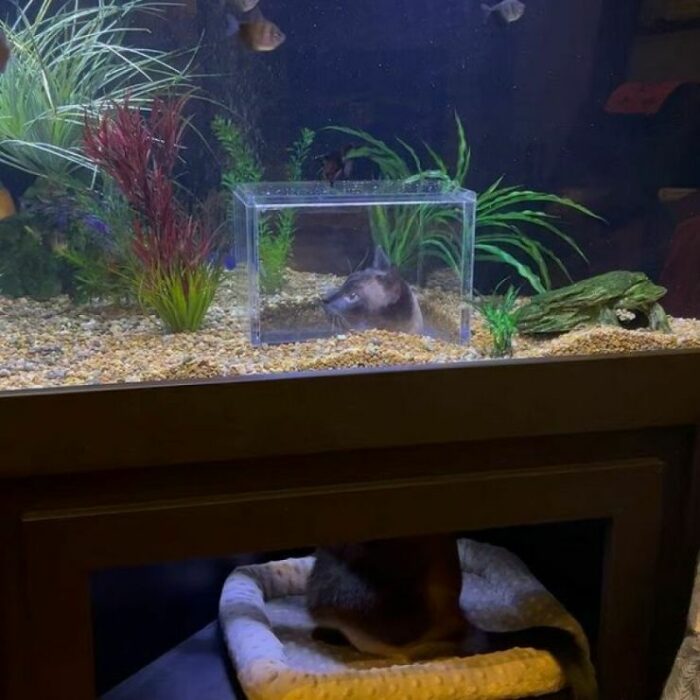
(400, 599)
(396, 598)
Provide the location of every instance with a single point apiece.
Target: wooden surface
(88, 429)
(62, 545)
(95, 479)
(59, 529)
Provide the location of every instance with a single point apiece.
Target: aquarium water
(205, 190)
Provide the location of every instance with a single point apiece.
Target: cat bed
(268, 634)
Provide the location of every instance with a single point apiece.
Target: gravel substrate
(56, 343)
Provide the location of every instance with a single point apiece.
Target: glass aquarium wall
(357, 257)
(126, 126)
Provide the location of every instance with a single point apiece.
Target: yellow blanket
(267, 631)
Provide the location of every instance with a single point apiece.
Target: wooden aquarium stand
(97, 478)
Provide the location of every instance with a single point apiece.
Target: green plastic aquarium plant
(68, 61)
(507, 217)
(274, 249)
(276, 240)
(500, 316)
(242, 163)
(277, 231)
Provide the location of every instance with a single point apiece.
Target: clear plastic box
(357, 256)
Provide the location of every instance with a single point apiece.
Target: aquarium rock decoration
(617, 298)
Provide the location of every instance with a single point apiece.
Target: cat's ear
(381, 260)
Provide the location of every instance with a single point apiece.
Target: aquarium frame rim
(333, 196)
(305, 375)
(238, 419)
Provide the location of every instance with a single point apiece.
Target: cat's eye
(352, 296)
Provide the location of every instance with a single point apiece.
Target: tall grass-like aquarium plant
(509, 219)
(68, 61)
(499, 314)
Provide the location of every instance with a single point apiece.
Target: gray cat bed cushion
(268, 634)
(684, 681)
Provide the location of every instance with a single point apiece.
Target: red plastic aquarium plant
(171, 249)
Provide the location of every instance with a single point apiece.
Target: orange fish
(7, 205)
(4, 52)
(256, 33)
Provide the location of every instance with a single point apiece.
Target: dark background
(531, 94)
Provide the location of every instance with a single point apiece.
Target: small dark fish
(256, 33)
(508, 10)
(336, 165)
(5, 52)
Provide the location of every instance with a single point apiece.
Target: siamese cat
(399, 599)
(376, 297)
(392, 598)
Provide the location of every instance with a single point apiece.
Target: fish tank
(205, 191)
(357, 258)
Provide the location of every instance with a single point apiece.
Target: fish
(256, 33)
(336, 165)
(7, 204)
(508, 10)
(5, 52)
(243, 6)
